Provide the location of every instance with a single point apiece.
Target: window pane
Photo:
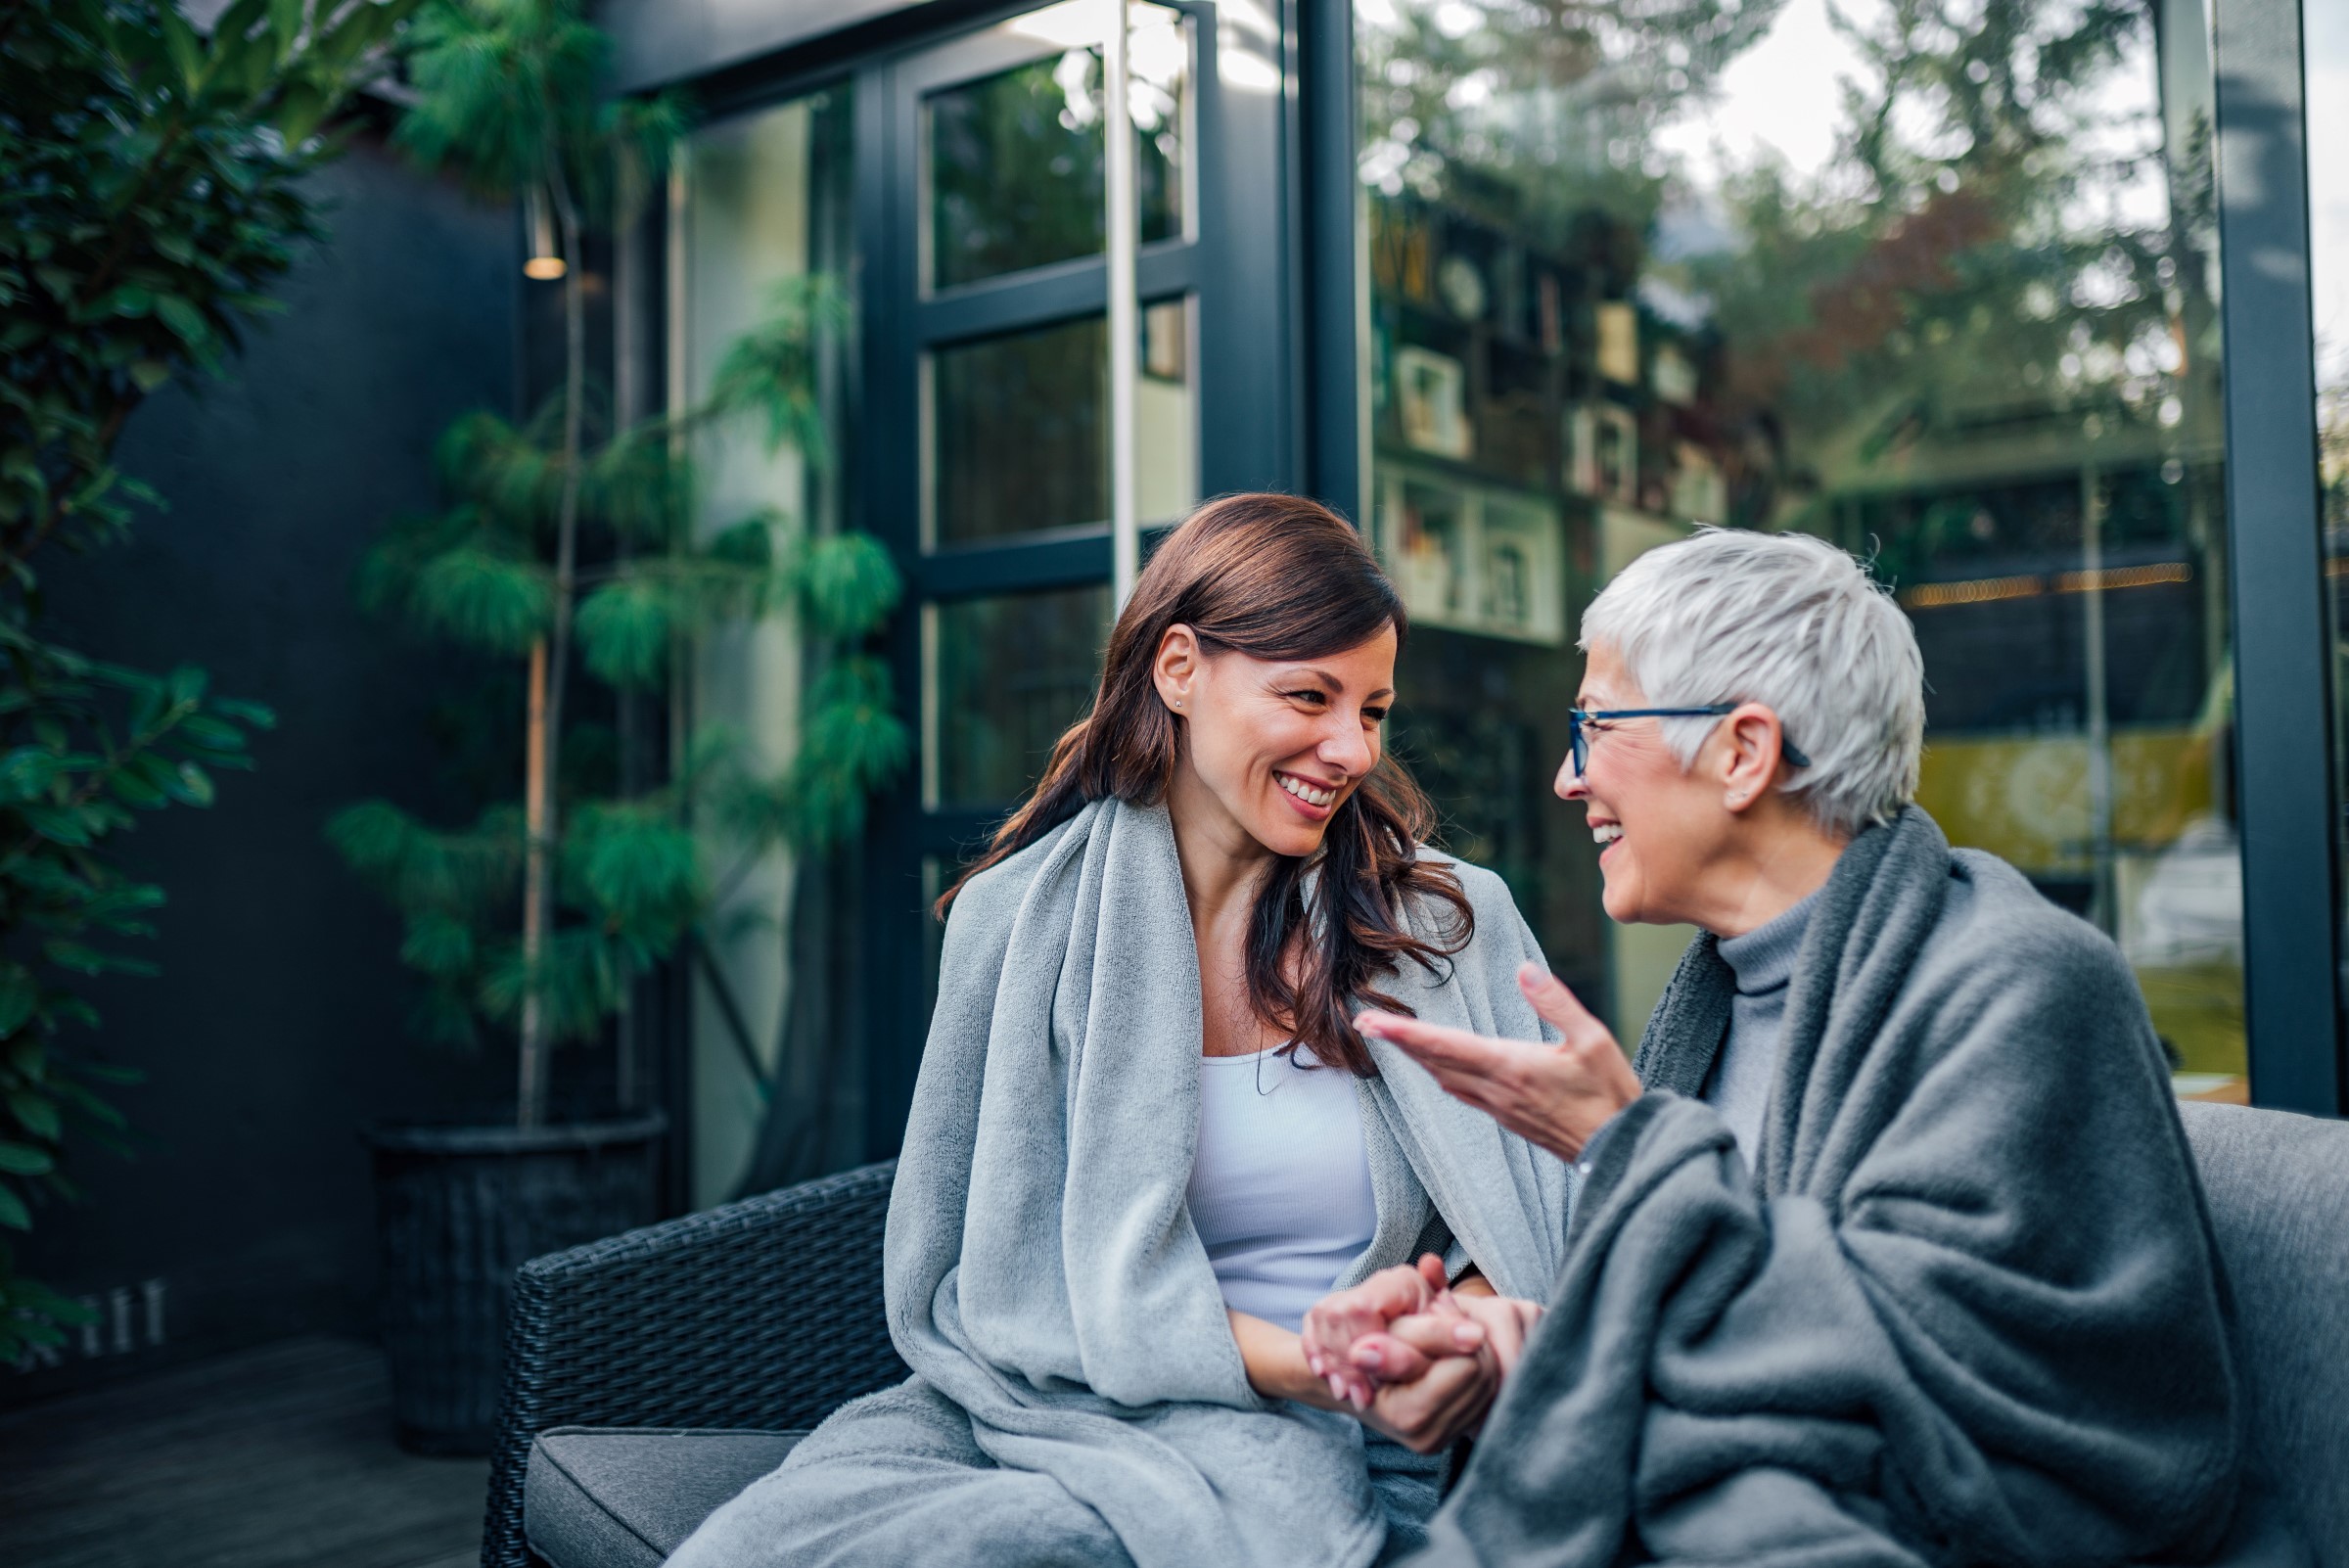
(1015, 159)
(1645, 267)
(1020, 432)
(1005, 676)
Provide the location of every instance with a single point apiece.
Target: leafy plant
(153, 190)
(572, 542)
(1981, 243)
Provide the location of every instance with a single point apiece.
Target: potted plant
(573, 549)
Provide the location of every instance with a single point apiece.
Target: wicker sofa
(652, 1376)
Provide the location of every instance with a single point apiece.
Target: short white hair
(1791, 621)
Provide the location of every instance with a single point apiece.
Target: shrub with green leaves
(571, 541)
(151, 178)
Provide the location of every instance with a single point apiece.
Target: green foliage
(570, 529)
(2005, 235)
(510, 95)
(151, 178)
(1578, 173)
(632, 883)
(482, 595)
(448, 887)
(1971, 245)
(500, 81)
(769, 371)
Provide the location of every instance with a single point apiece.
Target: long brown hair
(1274, 577)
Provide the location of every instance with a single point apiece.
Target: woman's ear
(1177, 666)
(1754, 748)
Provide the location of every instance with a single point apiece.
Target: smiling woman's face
(1663, 827)
(1275, 747)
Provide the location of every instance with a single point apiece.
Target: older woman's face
(1662, 826)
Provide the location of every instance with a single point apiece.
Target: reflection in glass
(1014, 163)
(1005, 676)
(766, 200)
(1938, 288)
(1019, 430)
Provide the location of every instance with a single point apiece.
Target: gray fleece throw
(1965, 1312)
(1077, 1395)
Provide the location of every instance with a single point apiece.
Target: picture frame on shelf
(1431, 402)
(1521, 575)
(1671, 376)
(1604, 441)
(1617, 323)
(1426, 546)
(1472, 558)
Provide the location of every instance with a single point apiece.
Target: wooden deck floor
(276, 1458)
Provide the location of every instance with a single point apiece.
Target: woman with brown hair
(1147, 1137)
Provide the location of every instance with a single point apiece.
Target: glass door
(987, 447)
(1819, 268)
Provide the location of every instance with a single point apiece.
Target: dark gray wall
(275, 1033)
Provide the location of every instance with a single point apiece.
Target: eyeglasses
(1578, 741)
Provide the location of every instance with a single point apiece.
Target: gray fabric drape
(1076, 1394)
(1965, 1309)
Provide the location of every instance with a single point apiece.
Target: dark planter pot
(459, 1208)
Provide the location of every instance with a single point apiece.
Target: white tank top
(1280, 1188)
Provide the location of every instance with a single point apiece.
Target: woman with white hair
(1888, 1248)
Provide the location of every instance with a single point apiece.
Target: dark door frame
(1234, 262)
(2282, 646)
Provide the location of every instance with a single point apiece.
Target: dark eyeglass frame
(1578, 745)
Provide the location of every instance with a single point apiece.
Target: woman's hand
(1404, 1352)
(1343, 1316)
(1557, 1097)
(1502, 1323)
(1448, 1397)
(1507, 1322)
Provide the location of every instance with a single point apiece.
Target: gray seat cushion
(2278, 1187)
(622, 1496)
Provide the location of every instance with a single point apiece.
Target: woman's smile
(1313, 800)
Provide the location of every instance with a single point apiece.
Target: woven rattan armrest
(763, 1313)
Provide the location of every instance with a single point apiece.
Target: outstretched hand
(1557, 1097)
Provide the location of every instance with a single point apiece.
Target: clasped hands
(1415, 1356)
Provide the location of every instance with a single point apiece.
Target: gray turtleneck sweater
(1763, 962)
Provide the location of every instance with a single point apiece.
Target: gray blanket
(1965, 1312)
(1077, 1395)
